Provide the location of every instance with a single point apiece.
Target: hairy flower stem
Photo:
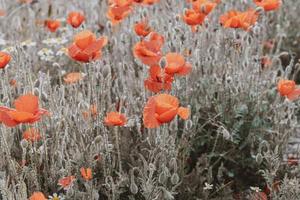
(118, 149)
(5, 145)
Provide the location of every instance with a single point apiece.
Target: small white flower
(46, 54)
(56, 197)
(208, 186)
(62, 51)
(256, 189)
(10, 49)
(63, 72)
(54, 41)
(28, 43)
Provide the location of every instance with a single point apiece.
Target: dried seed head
(133, 188)
(174, 179)
(163, 62)
(188, 124)
(98, 139)
(259, 158)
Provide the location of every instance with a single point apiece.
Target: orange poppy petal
(5, 118)
(186, 69)
(73, 50)
(153, 86)
(37, 196)
(96, 46)
(27, 103)
(145, 49)
(75, 19)
(149, 118)
(19, 116)
(142, 28)
(86, 173)
(4, 59)
(154, 71)
(84, 39)
(2, 12)
(66, 182)
(164, 101)
(52, 25)
(115, 119)
(294, 95)
(286, 87)
(184, 113)
(118, 13)
(174, 62)
(167, 116)
(157, 38)
(97, 55)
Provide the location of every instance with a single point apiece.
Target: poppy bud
(259, 158)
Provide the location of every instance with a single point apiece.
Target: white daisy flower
(54, 41)
(46, 54)
(10, 49)
(28, 43)
(56, 197)
(62, 51)
(208, 186)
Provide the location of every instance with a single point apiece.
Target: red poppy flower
(117, 12)
(149, 52)
(115, 119)
(288, 89)
(158, 80)
(204, 6)
(142, 29)
(27, 111)
(52, 25)
(149, 2)
(37, 196)
(236, 19)
(86, 173)
(176, 64)
(268, 5)
(86, 47)
(4, 59)
(193, 18)
(66, 182)
(75, 19)
(161, 109)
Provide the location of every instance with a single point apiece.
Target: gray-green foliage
(235, 138)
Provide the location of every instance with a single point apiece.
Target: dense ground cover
(149, 99)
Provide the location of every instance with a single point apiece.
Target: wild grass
(236, 136)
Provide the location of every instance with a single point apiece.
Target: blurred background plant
(234, 146)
